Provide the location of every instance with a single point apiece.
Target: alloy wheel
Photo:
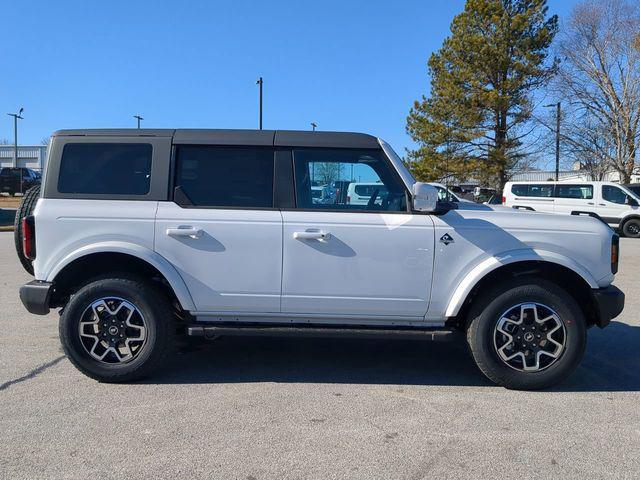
(112, 330)
(529, 337)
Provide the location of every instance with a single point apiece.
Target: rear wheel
(25, 209)
(117, 329)
(528, 334)
(631, 228)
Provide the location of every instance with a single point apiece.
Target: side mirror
(424, 197)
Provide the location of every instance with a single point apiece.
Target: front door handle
(602, 204)
(590, 203)
(184, 232)
(312, 235)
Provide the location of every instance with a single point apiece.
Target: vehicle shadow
(611, 362)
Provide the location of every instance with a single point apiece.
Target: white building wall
(29, 156)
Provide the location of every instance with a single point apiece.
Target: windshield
(404, 172)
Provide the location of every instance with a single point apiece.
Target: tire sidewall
(625, 228)
(156, 329)
(546, 293)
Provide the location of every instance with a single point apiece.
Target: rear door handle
(313, 235)
(602, 204)
(186, 231)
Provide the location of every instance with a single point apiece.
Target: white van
(359, 193)
(613, 203)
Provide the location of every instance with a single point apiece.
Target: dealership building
(29, 156)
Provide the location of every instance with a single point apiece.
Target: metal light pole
(314, 125)
(260, 82)
(16, 116)
(138, 117)
(558, 115)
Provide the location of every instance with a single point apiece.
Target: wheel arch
(98, 259)
(556, 268)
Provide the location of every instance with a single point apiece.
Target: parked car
(18, 179)
(360, 193)
(447, 194)
(613, 203)
(139, 235)
(322, 195)
(495, 199)
(481, 195)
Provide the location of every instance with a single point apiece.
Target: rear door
(575, 197)
(533, 196)
(221, 230)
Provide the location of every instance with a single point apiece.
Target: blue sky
(346, 65)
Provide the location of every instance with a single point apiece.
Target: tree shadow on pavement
(611, 363)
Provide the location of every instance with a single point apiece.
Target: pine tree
(482, 80)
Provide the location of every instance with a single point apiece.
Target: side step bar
(213, 331)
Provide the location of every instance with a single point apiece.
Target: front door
(614, 203)
(221, 231)
(344, 259)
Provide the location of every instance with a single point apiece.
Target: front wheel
(117, 329)
(528, 334)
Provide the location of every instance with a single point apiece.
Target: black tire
(25, 209)
(489, 308)
(158, 319)
(631, 228)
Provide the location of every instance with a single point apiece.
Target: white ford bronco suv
(142, 235)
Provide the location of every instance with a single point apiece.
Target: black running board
(214, 331)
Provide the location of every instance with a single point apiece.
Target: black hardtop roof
(277, 138)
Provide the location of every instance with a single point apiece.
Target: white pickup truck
(140, 235)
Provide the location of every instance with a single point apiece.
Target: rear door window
(212, 176)
(105, 168)
(579, 192)
(532, 190)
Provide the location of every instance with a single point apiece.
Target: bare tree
(599, 84)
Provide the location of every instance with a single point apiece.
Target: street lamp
(558, 112)
(260, 82)
(16, 116)
(138, 117)
(314, 125)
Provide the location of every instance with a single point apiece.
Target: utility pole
(314, 125)
(259, 82)
(558, 116)
(558, 112)
(16, 116)
(138, 117)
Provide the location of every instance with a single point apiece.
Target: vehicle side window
(349, 179)
(105, 168)
(212, 176)
(532, 190)
(582, 192)
(614, 194)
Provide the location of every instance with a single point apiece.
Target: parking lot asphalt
(314, 408)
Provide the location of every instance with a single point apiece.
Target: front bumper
(609, 302)
(35, 296)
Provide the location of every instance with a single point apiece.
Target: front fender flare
(156, 260)
(490, 264)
